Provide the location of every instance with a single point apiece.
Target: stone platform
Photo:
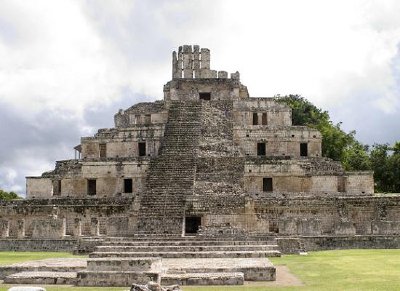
(183, 261)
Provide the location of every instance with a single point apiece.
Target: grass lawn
(7, 258)
(326, 270)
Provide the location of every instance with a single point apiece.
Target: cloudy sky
(67, 66)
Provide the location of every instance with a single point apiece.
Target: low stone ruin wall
(318, 243)
(25, 245)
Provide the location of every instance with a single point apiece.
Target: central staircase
(172, 173)
(180, 260)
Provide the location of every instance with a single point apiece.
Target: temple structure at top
(205, 157)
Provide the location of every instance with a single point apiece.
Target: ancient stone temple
(207, 173)
(208, 160)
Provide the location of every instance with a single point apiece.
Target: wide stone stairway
(180, 260)
(172, 172)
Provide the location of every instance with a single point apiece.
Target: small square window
(128, 186)
(205, 96)
(261, 151)
(267, 185)
(91, 187)
(142, 149)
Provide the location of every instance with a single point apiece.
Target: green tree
(336, 143)
(385, 162)
(8, 195)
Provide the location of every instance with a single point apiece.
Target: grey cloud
(35, 143)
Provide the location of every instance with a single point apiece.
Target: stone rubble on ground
(153, 286)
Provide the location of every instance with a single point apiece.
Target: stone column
(77, 228)
(205, 58)
(94, 227)
(20, 228)
(176, 70)
(187, 61)
(196, 61)
(4, 228)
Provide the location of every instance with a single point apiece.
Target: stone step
(42, 277)
(116, 278)
(124, 264)
(45, 265)
(210, 254)
(203, 279)
(255, 269)
(168, 248)
(185, 242)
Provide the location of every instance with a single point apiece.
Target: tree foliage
(385, 161)
(336, 143)
(8, 195)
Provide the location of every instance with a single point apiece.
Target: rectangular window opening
(56, 187)
(267, 185)
(91, 187)
(261, 149)
(103, 150)
(303, 150)
(205, 96)
(341, 186)
(264, 119)
(128, 186)
(142, 149)
(255, 118)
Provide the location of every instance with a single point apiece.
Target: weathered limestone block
(205, 58)
(287, 226)
(123, 264)
(118, 226)
(309, 226)
(235, 76)
(222, 75)
(176, 71)
(345, 228)
(385, 227)
(208, 74)
(17, 228)
(52, 228)
(152, 286)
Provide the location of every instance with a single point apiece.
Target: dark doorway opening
(56, 187)
(128, 186)
(303, 150)
(91, 187)
(255, 119)
(205, 96)
(142, 149)
(267, 185)
(261, 149)
(192, 224)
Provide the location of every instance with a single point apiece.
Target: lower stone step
(214, 254)
(203, 279)
(65, 278)
(182, 248)
(116, 278)
(124, 264)
(254, 269)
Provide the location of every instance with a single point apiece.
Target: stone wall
(61, 218)
(32, 245)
